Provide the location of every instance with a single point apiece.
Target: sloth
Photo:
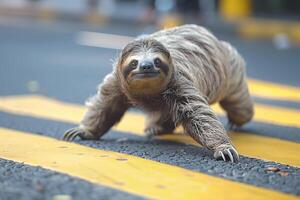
(174, 75)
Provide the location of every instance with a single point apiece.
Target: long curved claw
(223, 157)
(235, 155)
(227, 154)
(72, 133)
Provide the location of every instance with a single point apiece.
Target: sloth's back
(199, 55)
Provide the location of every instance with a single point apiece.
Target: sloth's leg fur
(191, 110)
(237, 103)
(103, 110)
(157, 124)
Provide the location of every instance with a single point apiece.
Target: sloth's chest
(149, 103)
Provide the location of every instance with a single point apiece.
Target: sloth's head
(145, 67)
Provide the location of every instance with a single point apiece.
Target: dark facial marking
(157, 62)
(133, 63)
(160, 64)
(131, 66)
(164, 67)
(126, 71)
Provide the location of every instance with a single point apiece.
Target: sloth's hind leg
(237, 102)
(239, 105)
(157, 124)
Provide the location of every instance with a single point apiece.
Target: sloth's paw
(72, 133)
(156, 130)
(152, 131)
(230, 126)
(227, 153)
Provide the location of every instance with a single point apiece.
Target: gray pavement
(48, 54)
(24, 182)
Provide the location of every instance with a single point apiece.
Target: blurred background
(162, 13)
(63, 48)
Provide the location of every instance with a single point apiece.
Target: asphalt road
(47, 59)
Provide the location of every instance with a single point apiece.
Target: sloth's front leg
(201, 123)
(204, 127)
(103, 110)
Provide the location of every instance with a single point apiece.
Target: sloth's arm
(191, 110)
(103, 110)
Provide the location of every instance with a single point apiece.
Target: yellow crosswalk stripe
(248, 144)
(35, 105)
(124, 172)
(271, 114)
(274, 91)
(254, 146)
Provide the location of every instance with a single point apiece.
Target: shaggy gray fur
(203, 70)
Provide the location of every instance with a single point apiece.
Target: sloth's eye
(133, 63)
(157, 61)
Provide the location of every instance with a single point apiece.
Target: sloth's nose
(146, 66)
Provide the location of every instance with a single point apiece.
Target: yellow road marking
(232, 11)
(253, 28)
(273, 91)
(271, 114)
(124, 172)
(254, 146)
(40, 106)
(251, 145)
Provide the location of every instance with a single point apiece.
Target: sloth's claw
(72, 133)
(230, 126)
(223, 157)
(227, 154)
(151, 132)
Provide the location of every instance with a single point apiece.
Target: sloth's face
(146, 67)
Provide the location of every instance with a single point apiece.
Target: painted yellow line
(248, 144)
(274, 91)
(253, 28)
(40, 106)
(271, 114)
(124, 172)
(232, 11)
(260, 147)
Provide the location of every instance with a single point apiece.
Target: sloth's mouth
(146, 74)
